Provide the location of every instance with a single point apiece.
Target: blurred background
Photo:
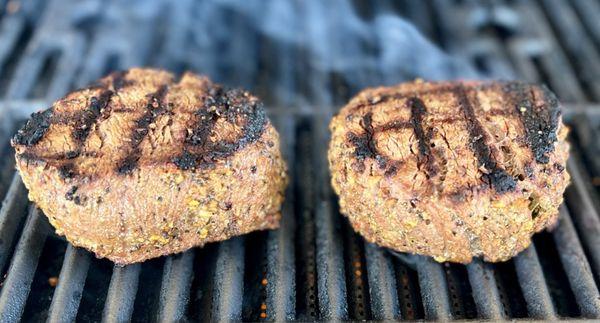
(305, 59)
(299, 53)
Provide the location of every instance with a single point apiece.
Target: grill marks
(540, 122)
(237, 110)
(417, 116)
(235, 107)
(154, 108)
(364, 144)
(85, 119)
(496, 176)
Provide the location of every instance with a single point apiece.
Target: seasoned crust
(452, 169)
(140, 165)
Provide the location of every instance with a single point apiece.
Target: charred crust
(154, 108)
(35, 128)
(540, 122)
(236, 107)
(185, 161)
(87, 117)
(364, 145)
(119, 81)
(495, 176)
(66, 171)
(128, 164)
(417, 116)
(71, 193)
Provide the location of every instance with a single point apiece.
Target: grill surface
(315, 266)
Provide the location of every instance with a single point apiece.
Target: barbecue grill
(305, 59)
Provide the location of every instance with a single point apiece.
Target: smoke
(281, 49)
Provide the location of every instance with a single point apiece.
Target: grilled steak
(141, 165)
(452, 170)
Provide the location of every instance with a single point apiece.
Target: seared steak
(452, 170)
(141, 165)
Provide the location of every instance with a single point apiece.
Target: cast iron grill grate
(315, 266)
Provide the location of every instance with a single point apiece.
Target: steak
(140, 164)
(452, 170)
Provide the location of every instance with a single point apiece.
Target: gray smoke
(287, 51)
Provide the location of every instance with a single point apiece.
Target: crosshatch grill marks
(540, 122)
(496, 177)
(236, 107)
(154, 108)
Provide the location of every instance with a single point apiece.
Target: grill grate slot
(409, 291)
(556, 280)
(356, 275)
(461, 299)
(307, 305)
(256, 279)
(44, 280)
(147, 297)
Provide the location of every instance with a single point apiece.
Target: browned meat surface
(141, 165)
(452, 170)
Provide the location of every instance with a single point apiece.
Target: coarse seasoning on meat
(452, 170)
(141, 164)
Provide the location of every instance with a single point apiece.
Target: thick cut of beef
(141, 165)
(452, 170)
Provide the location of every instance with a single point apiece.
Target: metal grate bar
(17, 285)
(534, 288)
(584, 213)
(229, 281)
(330, 259)
(382, 283)
(281, 269)
(121, 293)
(175, 287)
(330, 265)
(589, 12)
(576, 266)
(434, 289)
(566, 25)
(66, 297)
(11, 215)
(11, 27)
(539, 43)
(485, 291)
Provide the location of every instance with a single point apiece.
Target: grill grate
(314, 266)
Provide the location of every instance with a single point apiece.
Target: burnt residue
(71, 193)
(154, 108)
(87, 117)
(418, 110)
(119, 80)
(364, 144)
(66, 171)
(540, 121)
(35, 128)
(235, 107)
(495, 175)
